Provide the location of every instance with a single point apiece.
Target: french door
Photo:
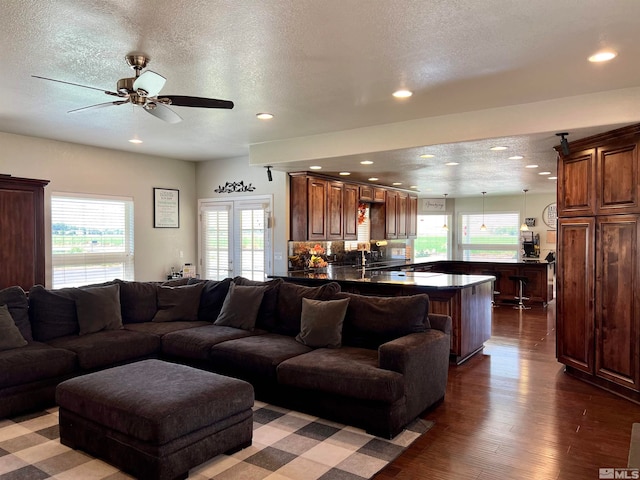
(235, 238)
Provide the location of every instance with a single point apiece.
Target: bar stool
(522, 281)
(495, 282)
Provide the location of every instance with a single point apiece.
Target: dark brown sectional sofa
(373, 362)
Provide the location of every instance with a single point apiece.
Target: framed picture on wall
(166, 208)
(550, 215)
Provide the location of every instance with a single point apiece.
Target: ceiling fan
(144, 90)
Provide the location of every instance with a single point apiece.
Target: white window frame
(85, 260)
(447, 221)
(506, 247)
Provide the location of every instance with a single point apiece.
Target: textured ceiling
(320, 67)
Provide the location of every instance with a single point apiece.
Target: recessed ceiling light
(366, 162)
(544, 173)
(315, 167)
(531, 166)
(135, 140)
(516, 157)
(264, 116)
(402, 93)
(344, 174)
(552, 178)
(427, 155)
(450, 164)
(395, 184)
(413, 186)
(373, 179)
(497, 149)
(603, 56)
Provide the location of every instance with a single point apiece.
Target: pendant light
(483, 228)
(444, 227)
(524, 227)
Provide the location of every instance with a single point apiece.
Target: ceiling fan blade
(163, 112)
(201, 102)
(149, 82)
(99, 105)
(78, 85)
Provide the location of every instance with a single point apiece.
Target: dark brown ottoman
(154, 419)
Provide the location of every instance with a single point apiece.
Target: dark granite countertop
(391, 277)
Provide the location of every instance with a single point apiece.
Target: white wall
(536, 203)
(83, 169)
(210, 175)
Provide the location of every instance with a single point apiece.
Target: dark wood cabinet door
(402, 212)
(350, 212)
(317, 204)
(379, 195)
(617, 313)
(391, 206)
(575, 288)
(22, 254)
(366, 193)
(576, 184)
(334, 210)
(617, 179)
(412, 217)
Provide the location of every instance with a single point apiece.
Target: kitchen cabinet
(350, 211)
(371, 194)
(22, 254)
(391, 215)
(598, 306)
(334, 212)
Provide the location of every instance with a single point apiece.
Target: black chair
(522, 281)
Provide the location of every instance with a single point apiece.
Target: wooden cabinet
(324, 208)
(598, 286)
(350, 211)
(22, 254)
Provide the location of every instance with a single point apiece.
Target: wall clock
(550, 215)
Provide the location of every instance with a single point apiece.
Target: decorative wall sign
(550, 215)
(530, 222)
(434, 205)
(235, 187)
(166, 208)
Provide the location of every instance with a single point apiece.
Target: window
(235, 239)
(432, 240)
(91, 239)
(500, 242)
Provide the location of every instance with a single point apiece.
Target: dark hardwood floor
(511, 412)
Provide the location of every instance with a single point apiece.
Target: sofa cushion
(212, 297)
(321, 322)
(371, 321)
(10, 336)
(348, 371)
(98, 308)
(52, 313)
(138, 301)
(16, 301)
(289, 306)
(240, 308)
(178, 303)
(267, 315)
(162, 328)
(109, 347)
(34, 362)
(256, 356)
(196, 343)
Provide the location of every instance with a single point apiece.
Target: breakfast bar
(465, 298)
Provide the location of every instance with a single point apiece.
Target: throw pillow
(10, 336)
(138, 301)
(213, 294)
(178, 303)
(16, 301)
(371, 321)
(289, 308)
(98, 308)
(267, 315)
(52, 313)
(321, 322)
(241, 306)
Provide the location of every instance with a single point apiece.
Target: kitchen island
(465, 298)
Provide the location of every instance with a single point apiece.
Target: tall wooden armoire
(21, 232)
(598, 277)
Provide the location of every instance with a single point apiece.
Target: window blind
(92, 239)
(499, 242)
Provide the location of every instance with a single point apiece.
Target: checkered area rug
(287, 445)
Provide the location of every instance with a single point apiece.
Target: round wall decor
(550, 215)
